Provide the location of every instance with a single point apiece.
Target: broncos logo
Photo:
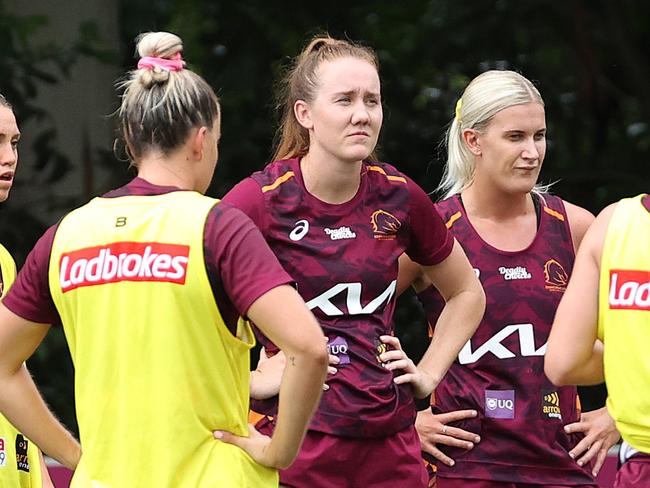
(555, 275)
(384, 225)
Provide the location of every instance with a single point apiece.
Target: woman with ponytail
(521, 242)
(338, 220)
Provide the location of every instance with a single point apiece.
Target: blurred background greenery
(590, 60)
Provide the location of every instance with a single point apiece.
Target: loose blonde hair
(483, 98)
(160, 106)
(301, 83)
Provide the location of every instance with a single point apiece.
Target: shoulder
(276, 173)
(386, 172)
(594, 239)
(579, 221)
(227, 215)
(448, 208)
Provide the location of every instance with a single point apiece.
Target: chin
(358, 155)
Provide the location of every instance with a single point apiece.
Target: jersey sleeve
(247, 196)
(237, 253)
(30, 297)
(430, 241)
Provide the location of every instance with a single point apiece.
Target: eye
(343, 100)
(372, 101)
(515, 136)
(14, 143)
(540, 136)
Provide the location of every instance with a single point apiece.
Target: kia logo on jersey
(629, 289)
(123, 261)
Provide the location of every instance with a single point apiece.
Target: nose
(531, 151)
(360, 115)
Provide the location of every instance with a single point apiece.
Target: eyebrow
(508, 131)
(355, 91)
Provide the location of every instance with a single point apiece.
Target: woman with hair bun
(148, 282)
(521, 242)
(338, 221)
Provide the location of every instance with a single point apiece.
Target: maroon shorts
(330, 461)
(634, 473)
(464, 483)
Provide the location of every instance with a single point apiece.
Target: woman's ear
(197, 139)
(302, 113)
(472, 139)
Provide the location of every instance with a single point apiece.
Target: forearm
(300, 391)
(456, 324)
(22, 404)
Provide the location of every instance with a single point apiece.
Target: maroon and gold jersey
(500, 370)
(344, 261)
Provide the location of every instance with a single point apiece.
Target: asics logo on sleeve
(494, 346)
(299, 231)
(123, 261)
(629, 289)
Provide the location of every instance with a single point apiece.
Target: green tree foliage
(589, 60)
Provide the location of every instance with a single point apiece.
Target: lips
(7, 176)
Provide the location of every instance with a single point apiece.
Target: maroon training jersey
(500, 371)
(240, 265)
(344, 260)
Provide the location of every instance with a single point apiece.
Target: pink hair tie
(176, 63)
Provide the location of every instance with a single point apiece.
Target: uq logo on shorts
(339, 347)
(629, 289)
(3, 452)
(500, 404)
(123, 261)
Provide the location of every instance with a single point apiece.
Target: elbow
(555, 372)
(320, 355)
(314, 352)
(479, 301)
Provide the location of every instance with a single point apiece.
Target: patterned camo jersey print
(500, 371)
(344, 259)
